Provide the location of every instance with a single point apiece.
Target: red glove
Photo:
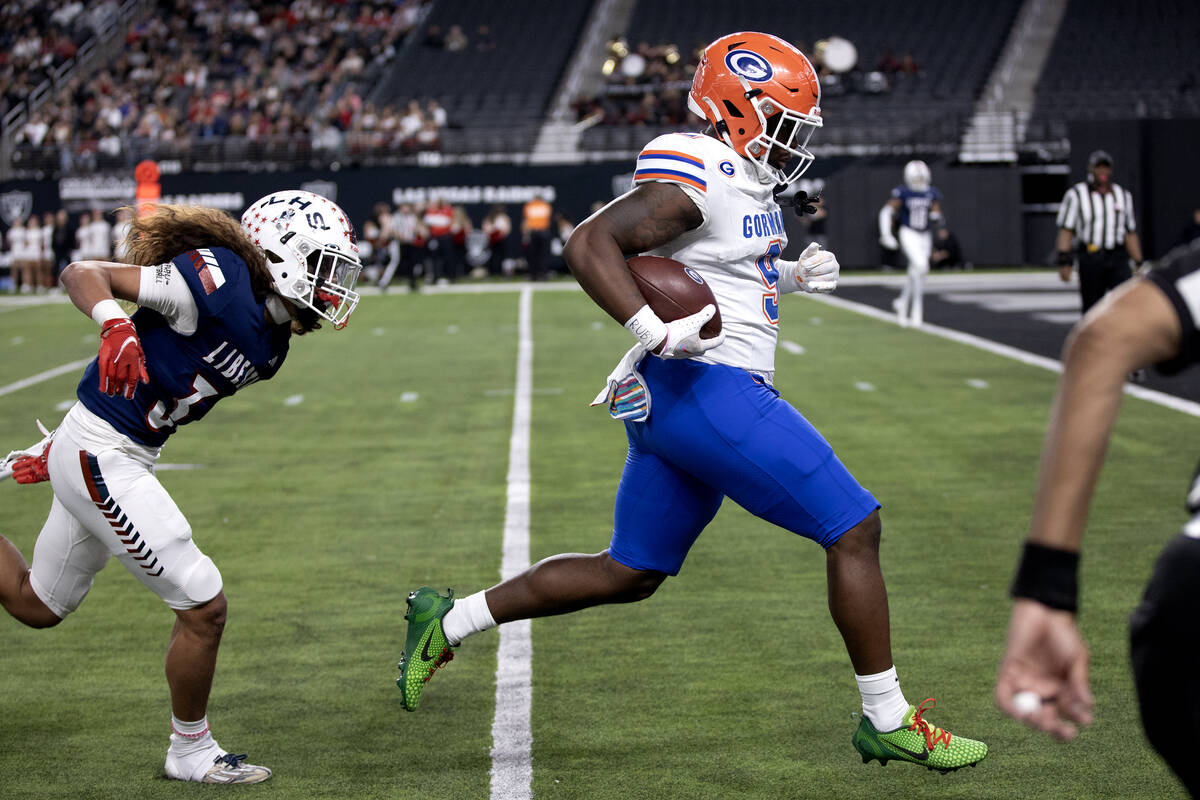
(122, 362)
(32, 469)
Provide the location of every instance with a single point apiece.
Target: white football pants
(917, 246)
(107, 502)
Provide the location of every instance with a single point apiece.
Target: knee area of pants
(204, 583)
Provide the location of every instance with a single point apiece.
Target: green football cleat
(426, 647)
(919, 742)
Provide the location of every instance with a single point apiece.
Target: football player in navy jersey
(218, 305)
(916, 206)
(1043, 678)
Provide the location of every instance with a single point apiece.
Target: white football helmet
(311, 250)
(917, 176)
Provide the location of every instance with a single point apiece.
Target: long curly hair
(173, 229)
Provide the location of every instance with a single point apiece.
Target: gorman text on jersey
(762, 225)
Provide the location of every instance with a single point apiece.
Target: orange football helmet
(760, 94)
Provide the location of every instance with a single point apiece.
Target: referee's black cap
(1099, 157)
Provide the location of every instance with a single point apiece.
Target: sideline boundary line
(1150, 395)
(512, 727)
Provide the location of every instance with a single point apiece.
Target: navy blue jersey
(233, 346)
(915, 206)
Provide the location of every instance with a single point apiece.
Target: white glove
(889, 242)
(678, 339)
(683, 335)
(818, 270)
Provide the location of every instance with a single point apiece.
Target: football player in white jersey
(916, 206)
(218, 306)
(715, 426)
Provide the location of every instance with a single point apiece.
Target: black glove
(803, 204)
(1064, 258)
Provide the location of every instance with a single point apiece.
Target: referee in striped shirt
(1098, 214)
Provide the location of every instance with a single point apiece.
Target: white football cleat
(223, 768)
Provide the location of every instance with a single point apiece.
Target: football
(674, 290)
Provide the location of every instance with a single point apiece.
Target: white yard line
(44, 376)
(1150, 395)
(512, 729)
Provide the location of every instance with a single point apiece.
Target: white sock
(882, 701)
(190, 737)
(469, 615)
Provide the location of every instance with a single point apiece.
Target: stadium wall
(981, 202)
(1156, 160)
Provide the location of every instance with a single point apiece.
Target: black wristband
(1064, 258)
(1049, 576)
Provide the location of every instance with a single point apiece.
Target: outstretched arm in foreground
(1133, 327)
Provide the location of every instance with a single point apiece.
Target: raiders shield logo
(15, 206)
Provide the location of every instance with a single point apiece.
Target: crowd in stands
(36, 38)
(648, 85)
(456, 40)
(263, 77)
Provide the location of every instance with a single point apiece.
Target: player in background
(916, 206)
(218, 306)
(701, 415)
(1151, 320)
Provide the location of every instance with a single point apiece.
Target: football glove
(28, 465)
(32, 469)
(683, 336)
(818, 270)
(889, 242)
(122, 362)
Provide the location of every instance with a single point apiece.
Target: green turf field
(389, 473)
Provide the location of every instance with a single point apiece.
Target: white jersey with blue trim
(736, 246)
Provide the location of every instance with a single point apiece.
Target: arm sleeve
(789, 276)
(885, 221)
(164, 290)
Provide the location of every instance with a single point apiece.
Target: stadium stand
(952, 44)
(497, 86)
(1115, 60)
(218, 85)
(38, 40)
(307, 83)
(302, 83)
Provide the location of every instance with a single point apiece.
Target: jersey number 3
(770, 277)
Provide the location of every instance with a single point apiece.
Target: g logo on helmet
(750, 65)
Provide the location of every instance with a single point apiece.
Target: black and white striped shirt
(1099, 220)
